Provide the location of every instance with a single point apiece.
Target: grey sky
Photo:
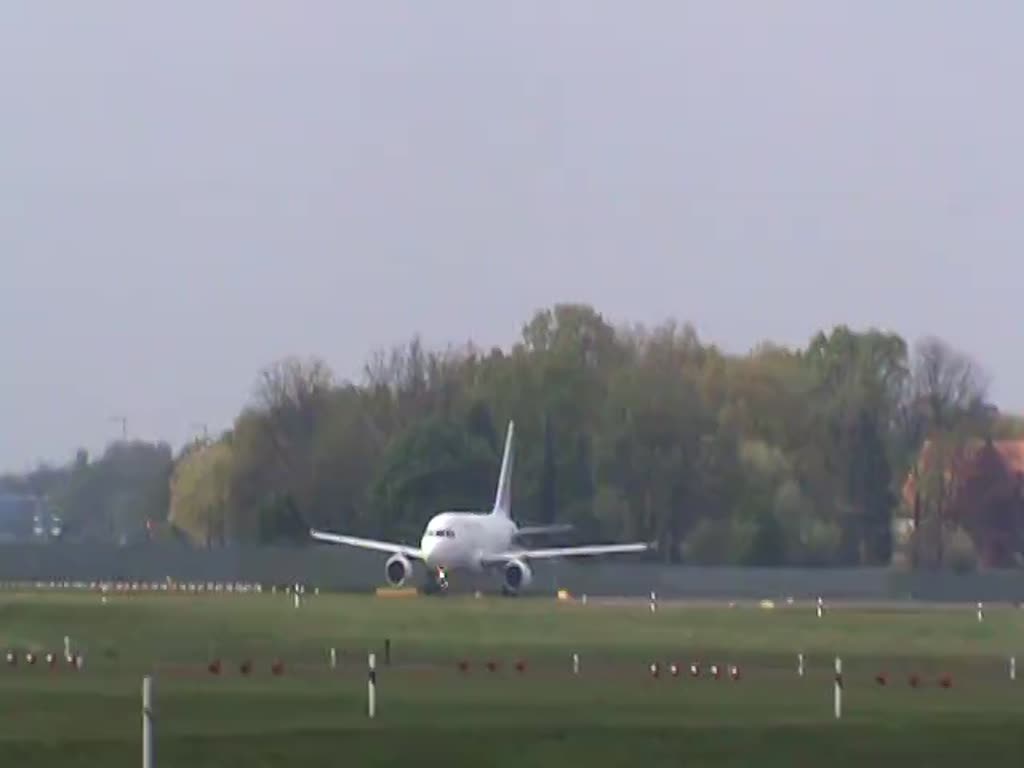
(189, 191)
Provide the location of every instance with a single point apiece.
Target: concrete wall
(346, 569)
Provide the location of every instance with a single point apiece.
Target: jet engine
(517, 576)
(397, 569)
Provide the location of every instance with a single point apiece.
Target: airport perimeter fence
(351, 570)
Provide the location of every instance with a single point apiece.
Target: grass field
(614, 713)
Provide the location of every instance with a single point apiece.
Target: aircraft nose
(436, 554)
(429, 548)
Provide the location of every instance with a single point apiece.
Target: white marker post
(1013, 667)
(981, 615)
(147, 722)
(334, 658)
(298, 599)
(800, 665)
(654, 602)
(371, 686)
(575, 663)
(839, 688)
(821, 608)
(67, 649)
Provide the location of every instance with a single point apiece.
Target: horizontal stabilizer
(543, 530)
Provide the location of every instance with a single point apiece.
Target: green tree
(433, 466)
(549, 476)
(653, 435)
(860, 379)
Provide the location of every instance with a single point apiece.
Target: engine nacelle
(397, 569)
(517, 576)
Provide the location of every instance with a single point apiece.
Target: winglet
(503, 495)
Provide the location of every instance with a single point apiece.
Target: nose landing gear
(436, 582)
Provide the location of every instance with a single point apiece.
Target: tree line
(778, 456)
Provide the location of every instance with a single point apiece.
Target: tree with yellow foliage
(200, 493)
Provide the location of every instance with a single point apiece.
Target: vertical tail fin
(503, 496)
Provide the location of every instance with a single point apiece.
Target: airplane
(476, 541)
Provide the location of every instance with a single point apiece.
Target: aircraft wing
(553, 552)
(379, 546)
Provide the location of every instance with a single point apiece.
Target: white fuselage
(456, 540)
